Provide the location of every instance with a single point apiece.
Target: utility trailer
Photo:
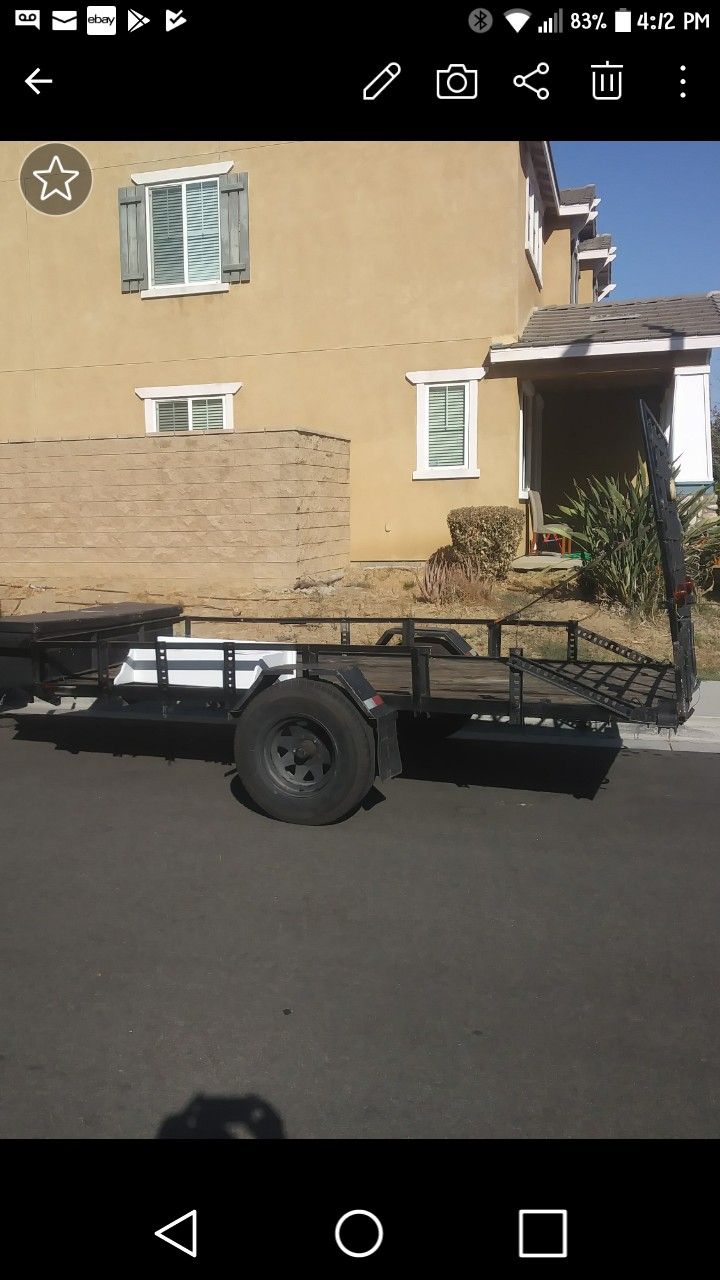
(315, 724)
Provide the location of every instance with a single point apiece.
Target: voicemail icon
(64, 20)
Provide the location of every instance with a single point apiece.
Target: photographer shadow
(217, 1117)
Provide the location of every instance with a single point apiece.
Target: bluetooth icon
(480, 21)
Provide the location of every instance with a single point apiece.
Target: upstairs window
(184, 231)
(533, 223)
(184, 227)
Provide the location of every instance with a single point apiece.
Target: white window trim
(422, 380)
(445, 375)
(187, 173)
(178, 290)
(534, 233)
(183, 290)
(151, 395)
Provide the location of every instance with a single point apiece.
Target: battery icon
(623, 20)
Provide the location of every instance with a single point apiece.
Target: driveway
(513, 942)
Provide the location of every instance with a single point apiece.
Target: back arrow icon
(33, 83)
(191, 1246)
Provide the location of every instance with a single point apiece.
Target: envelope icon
(64, 20)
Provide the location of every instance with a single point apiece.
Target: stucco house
(444, 307)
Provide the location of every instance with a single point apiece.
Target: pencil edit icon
(381, 81)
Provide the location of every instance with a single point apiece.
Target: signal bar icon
(552, 26)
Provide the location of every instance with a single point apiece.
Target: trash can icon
(606, 82)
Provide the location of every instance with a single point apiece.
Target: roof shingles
(689, 316)
(577, 195)
(595, 242)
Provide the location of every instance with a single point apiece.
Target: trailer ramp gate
(678, 589)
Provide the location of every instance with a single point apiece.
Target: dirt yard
(382, 593)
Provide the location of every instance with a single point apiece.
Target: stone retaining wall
(157, 513)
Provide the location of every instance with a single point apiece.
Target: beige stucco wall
(368, 260)
(164, 514)
(586, 285)
(557, 261)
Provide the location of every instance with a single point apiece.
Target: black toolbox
(26, 637)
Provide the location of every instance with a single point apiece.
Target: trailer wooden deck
(485, 680)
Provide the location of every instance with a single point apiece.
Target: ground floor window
(446, 424)
(178, 410)
(197, 413)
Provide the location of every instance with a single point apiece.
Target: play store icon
(136, 20)
(517, 18)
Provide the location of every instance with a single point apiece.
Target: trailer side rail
(333, 661)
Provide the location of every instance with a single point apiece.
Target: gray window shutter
(234, 228)
(133, 239)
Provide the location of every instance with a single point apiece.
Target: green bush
(487, 537)
(614, 521)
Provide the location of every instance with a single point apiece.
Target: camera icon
(457, 81)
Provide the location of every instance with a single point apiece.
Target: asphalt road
(511, 943)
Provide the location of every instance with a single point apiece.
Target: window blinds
(446, 426)
(166, 224)
(205, 413)
(185, 227)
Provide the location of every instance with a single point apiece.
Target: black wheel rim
(300, 755)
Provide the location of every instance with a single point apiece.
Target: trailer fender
(357, 689)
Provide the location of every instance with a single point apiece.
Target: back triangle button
(184, 1233)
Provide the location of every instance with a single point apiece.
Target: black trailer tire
(304, 753)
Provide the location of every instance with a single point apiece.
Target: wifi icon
(517, 18)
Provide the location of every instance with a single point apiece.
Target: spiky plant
(614, 521)
(437, 569)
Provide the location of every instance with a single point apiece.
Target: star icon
(51, 180)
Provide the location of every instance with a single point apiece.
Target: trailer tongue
(316, 723)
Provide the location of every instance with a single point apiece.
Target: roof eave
(583, 211)
(579, 350)
(580, 214)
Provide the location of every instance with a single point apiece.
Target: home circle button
(358, 1233)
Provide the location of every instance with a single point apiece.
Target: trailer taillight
(683, 593)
